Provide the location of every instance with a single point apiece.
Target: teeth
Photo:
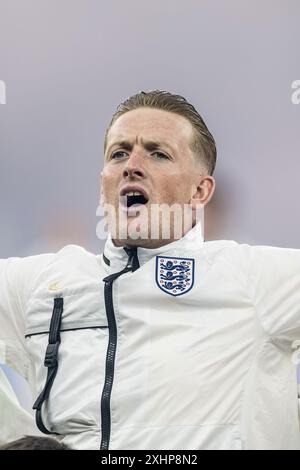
(133, 193)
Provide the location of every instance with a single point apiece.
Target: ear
(205, 187)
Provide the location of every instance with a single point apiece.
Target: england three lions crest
(175, 275)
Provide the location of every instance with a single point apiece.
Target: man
(165, 341)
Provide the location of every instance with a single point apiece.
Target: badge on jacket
(175, 276)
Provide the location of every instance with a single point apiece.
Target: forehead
(155, 124)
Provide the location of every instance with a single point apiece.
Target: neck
(151, 243)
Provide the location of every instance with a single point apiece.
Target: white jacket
(191, 350)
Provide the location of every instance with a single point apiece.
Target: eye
(161, 156)
(117, 155)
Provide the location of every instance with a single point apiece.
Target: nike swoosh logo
(54, 286)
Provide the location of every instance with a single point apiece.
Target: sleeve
(15, 421)
(16, 278)
(274, 278)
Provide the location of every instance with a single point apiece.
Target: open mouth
(133, 198)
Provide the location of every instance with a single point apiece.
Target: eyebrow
(148, 145)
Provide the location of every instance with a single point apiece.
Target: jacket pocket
(68, 370)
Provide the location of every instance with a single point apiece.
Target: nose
(134, 166)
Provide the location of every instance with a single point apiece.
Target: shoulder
(77, 251)
(36, 263)
(29, 271)
(225, 249)
(251, 257)
(71, 258)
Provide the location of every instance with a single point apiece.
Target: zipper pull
(133, 261)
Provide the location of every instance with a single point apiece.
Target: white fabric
(209, 369)
(15, 421)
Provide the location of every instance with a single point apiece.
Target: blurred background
(67, 64)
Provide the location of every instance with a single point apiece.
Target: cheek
(176, 186)
(109, 182)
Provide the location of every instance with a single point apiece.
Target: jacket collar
(115, 258)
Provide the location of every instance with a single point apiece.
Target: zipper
(132, 265)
